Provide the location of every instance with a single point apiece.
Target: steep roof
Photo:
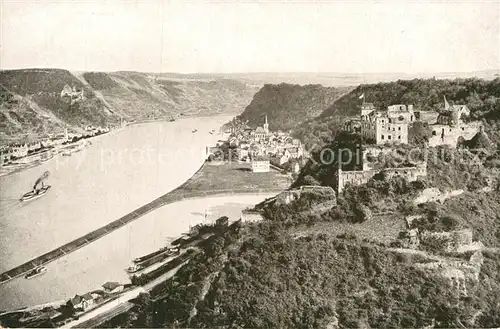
(480, 141)
(87, 296)
(76, 300)
(111, 285)
(260, 158)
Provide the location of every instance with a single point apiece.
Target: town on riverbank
(20, 156)
(225, 177)
(261, 148)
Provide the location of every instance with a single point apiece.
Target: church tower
(266, 126)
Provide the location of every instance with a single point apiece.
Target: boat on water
(76, 148)
(150, 259)
(194, 130)
(146, 257)
(134, 268)
(39, 189)
(46, 156)
(35, 195)
(36, 272)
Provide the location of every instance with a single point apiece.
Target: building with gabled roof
(260, 164)
(262, 132)
(112, 287)
(450, 126)
(83, 302)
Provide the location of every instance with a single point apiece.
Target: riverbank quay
(46, 154)
(228, 179)
(104, 304)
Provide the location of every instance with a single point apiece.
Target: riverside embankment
(134, 215)
(202, 184)
(117, 174)
(78, 204)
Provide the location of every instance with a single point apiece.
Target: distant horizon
(256, 72)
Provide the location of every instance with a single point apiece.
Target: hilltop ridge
(39, 102)
(288, 105)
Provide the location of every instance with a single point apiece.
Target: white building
(389, 126)
(260, 164)
(83, 302)
(19, 151)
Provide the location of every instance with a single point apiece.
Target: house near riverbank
(260, 164)
(6, 154)
(246, 143)
(83, 302)
(20, 150)
(112, 287)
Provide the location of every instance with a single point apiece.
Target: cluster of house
(90, 300)
(262, 147)
(12, 152)
(79, 304)
(391, 127)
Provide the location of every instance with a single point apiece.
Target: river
(118, 173)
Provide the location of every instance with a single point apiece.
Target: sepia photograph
(249, 164)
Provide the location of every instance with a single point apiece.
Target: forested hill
(288, 105)
(32, 104)
(349, 266)
(481, 96)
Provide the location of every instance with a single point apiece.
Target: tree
(309, 180)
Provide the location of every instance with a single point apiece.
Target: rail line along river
(118, 173)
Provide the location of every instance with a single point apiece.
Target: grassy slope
(138, 95)
(288, 105)
(31, 106)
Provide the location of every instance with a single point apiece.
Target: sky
(251, 36)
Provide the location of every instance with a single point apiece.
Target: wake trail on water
(9, 199)
(10, 205)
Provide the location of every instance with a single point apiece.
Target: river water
(118, 173)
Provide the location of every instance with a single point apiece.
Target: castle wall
(354, 178)
(359, 177)
(251, 216)
(449, 135)
(391, 133)
(411, 174)
(287, 197)
(429, 117)
(373, 151)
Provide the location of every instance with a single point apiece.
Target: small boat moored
(134, 268)
(36, 272)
